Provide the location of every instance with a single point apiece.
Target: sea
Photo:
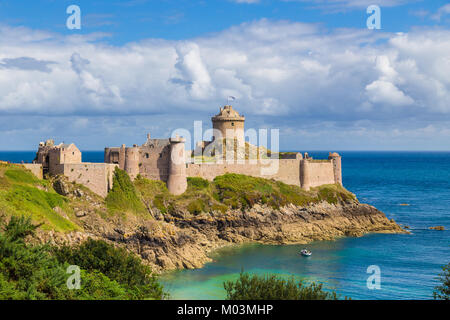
(413, 188)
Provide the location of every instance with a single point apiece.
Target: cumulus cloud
(386, 92)
(383, 90)
(283, 74)
(194, 73)
(26, 63)
(95, 88)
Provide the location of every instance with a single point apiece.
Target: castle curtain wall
(96, 176)
(35, 168)
(318, 172)
(288, 170)
(304, 173)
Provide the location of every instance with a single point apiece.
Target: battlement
(165, 160)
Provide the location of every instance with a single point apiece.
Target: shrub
(96, 284)
(196, 206)
(28, 272)
(152, 192)
(269, 287)
(123, 196)
(197, 183)
(117, 264)
(442, 292)
(39, 271)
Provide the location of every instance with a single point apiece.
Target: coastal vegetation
(168, 232)
(122, 196)
(38, 271)
(442, 291)
(271, 287)
(234, 191)
(21, 193)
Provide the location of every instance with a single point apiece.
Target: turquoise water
(409, 263)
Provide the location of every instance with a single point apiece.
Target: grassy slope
(21, 193)
(234, 191)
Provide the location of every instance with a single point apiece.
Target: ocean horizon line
(302, 150)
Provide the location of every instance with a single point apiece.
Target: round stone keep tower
(337, 166)
(132, 161)
(229, 122)
(305, 179)
(177, 181)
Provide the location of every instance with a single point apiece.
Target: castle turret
(177, 181)
(229, 124)
(337, 166)
(132, 161)
(305, 179)
(122, 152)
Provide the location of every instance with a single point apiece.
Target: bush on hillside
(123, 197)
(442, 291)
(270, 287)
(38, 272)
(117, 264)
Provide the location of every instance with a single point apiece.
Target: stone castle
(167, 160)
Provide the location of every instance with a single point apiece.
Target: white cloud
(339, 5)
(442, 11)
(283, 74)
(385, 92)
(194, 72)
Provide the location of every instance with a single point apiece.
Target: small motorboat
(305, 252)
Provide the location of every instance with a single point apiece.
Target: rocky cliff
(174, 232)
(176, 242)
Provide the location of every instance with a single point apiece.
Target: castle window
(147, 155)
(232, 124)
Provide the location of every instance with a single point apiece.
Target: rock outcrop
(439, 228)
(185, 241)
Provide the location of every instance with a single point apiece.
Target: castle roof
(228, 113)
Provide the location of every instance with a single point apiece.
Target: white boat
(305, 252)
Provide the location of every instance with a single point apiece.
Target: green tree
(39, 271)
(269, 287)
(442, 291)
(117, 264)
(28, 272)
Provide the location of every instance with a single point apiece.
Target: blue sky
(310, 68)
(134, 20)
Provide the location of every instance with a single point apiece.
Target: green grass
(243, 191)
(19, 175)
(20, 195)
(332, 193)
(123, 197)
(234, 191)
(197, 183)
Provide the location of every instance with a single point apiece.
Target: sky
(311, 69)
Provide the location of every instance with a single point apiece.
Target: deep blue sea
(409, 264)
